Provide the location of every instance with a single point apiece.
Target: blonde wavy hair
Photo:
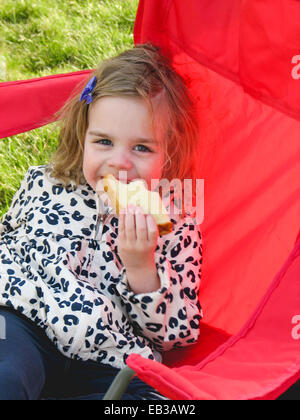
(141, 71)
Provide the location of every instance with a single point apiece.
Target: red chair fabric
(28, 104)
(260, 362)
(239, 59)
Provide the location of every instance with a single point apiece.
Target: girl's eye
(106, 142)
(145, 147)
(102, 140)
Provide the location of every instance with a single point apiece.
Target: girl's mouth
(123, 180)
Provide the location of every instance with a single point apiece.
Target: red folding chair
(239, 59)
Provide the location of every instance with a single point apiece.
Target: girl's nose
(119, 161)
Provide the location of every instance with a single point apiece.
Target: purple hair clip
(88, 90)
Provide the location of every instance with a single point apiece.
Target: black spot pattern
(71, 282)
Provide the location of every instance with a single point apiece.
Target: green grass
(43, 37)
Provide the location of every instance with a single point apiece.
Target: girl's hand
(137, 239)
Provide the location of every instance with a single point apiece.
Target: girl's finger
(130, 224)
(121, 228)
(141, 225)
(152, 228)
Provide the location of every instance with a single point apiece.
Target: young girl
(80, 288)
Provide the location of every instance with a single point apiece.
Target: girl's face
(120, 137)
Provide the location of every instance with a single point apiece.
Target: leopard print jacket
(59, 266)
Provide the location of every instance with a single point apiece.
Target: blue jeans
(31, 368)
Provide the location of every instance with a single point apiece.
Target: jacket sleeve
(16, 212)
(169, 317)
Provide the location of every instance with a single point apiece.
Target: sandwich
(121, 195)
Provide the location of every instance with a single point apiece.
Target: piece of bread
(121, 195)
